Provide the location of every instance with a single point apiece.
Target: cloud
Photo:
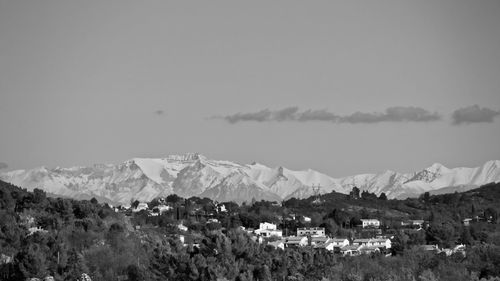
(260, 116)
(3, 165)
(473, 114)
(318, 115)
(391, 114)
(159, 112)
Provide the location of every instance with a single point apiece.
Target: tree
(354, 193)
(382, 196)
(135, 204)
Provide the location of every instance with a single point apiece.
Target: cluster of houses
(160, 208)
(448, 251)
(315, 237)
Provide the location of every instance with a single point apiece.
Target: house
(221, 208)
(370, 223)
(278, 244)
(307, 219)
(319, 240)
(327, 246)
(339, 242)
(375, 242)
(311, 231)
(182, 227)
(268, 229)
(457, 249)
(413, 223)
(35, 229)
(381, 242)
(369, 249)
(466, 221)
(351, 250)
(160, 209)
(430, 248)
(140, 207)
(295, 241)
(267, 225)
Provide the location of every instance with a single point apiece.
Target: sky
(342, 87)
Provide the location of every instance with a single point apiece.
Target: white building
(278, 244)
(161, 209)
(311, 231)
(140, 207)
(319, 240)
(182, 227)
(268, 229)
(339, 242)
(267, 225)
(373, 242)
(372, 223)
(294, 241)
(351, 250)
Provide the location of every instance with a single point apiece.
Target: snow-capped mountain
(193, 174)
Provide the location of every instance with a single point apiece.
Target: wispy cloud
(391, 114)
(3, 165)
(473, 114)
(394, 114)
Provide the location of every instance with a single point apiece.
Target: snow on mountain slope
(238, 187)
(193, 174)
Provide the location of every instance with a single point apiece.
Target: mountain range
(193, 174)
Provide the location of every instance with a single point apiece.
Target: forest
(42, 236)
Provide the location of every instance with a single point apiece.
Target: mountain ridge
(193, 174)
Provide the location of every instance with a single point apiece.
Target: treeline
(64, 238)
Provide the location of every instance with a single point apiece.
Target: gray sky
(366, 85)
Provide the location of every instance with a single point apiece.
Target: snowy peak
(193, 174)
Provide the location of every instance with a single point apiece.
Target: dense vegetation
(64, 238)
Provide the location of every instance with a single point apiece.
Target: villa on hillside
(370, 223)
(311, 231)
(140, 207)
(295, 241)
(339, 242)
(268, 229)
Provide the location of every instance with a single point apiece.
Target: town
(333, 236)
(369, 236)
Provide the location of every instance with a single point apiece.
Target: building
(351, 250)
(326, 246)
(413, 223)
(361, 242)
(339, 242)
(295, 241)
(319, 240)
(430, 248)
(182, 227)
(140, 207)
(466, 221)
(268, 229)
(278, 244)
(373, 242)
(370, 223)
(311, 231)
(381, 242)
(160, 209)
